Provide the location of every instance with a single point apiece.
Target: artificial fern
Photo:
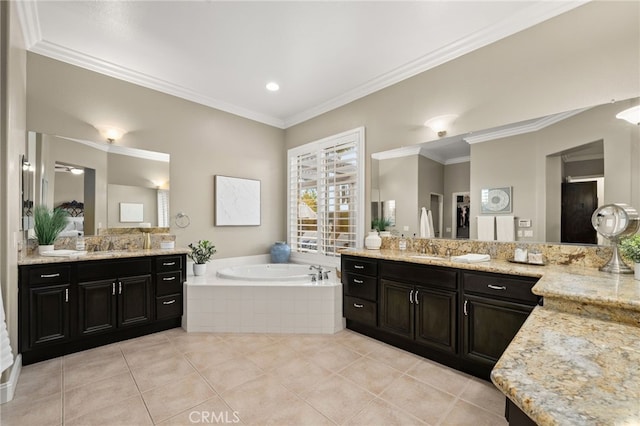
(48, 224)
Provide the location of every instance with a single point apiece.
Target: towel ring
(182, 220)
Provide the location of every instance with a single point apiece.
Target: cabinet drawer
(508, 287)
(357, 265)
(429, 276)
(168, 306)
(168, 283)
(360, 286)
(51, 274)
(360, 310)
(168, 263)
(101, 269)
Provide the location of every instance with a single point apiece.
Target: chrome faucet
(322, 274)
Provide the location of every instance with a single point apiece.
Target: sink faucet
(433, 247)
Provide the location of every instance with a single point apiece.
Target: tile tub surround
(213, 304)
(343, 378)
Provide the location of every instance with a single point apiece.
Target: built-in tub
(263, 298)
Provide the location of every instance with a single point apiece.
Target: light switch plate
(524, 223)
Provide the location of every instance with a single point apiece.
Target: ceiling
(222, 54)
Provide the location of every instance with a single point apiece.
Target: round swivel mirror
(615, 221)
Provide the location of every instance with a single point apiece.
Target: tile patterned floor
(179, 378)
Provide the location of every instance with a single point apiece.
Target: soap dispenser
(402, 244)
(147, 240)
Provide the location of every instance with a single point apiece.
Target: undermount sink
(426, 256)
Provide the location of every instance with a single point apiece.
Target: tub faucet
(322, 274)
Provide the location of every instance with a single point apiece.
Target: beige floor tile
(295, 413)
(197, 342)
(465, 414)
(173, 398)
(227, 375)
(32, 387)
(379, 412)
(201, 360)
(421, 400)
(300, 375)
(143, 343)
(359, 343)
(371, 375)
(255, 397)
(149, 376)
(306, 344)
(86, 399)
(151, 354)
(337, 398)
(439, 376)
(44, 412)
(43, 367)
(93, 370)
(334, 357)
(212, 411)
(484, 394)
(272, 356)
(397, 358)
(131, 411)
(92, 355)
(245, 343)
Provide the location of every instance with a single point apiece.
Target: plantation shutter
(163, 208)
(326, 200)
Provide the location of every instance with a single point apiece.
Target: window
(326, 195)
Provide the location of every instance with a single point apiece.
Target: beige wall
(399, 182)
(202, 142)
(430, 181)
(12, 146)
(117, 194)
(584, 57)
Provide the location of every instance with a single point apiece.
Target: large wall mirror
(91, 180)
(560, 168)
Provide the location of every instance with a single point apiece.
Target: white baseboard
(8, 389)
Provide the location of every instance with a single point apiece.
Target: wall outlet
(528, 233)
(520, 233)
(405, 228)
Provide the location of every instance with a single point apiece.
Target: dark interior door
(579, 201)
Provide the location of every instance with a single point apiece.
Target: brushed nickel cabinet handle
(113, 289)
(496, 287)
(168, 263)
(49, 275)
(411, 297)
(358, 266)
(357, 281)
(464, 308)
(169, 302)
(119, 287)
(66, 295)
(169, 279)
(355, 305)
(416, 298)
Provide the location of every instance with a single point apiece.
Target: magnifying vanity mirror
(92, 181)
(559, 168)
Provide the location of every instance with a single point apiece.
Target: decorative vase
(199, 269)
(280, 252)
(373, 241)
(42, 249)
(636, 271)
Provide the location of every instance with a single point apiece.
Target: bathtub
(262, 298)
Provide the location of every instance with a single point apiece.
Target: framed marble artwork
(131, 212)
(237, 201)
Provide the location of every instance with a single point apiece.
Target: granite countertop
(575, 360)
(100, 255)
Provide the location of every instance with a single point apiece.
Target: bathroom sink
(426, 256)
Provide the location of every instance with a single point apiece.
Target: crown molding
(571, 158)
(29, 22)
(458, 160)
(522, 20)
(521, 128)
(405, 151)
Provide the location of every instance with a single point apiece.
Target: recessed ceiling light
(273, 86)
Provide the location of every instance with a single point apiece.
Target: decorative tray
(526, 263)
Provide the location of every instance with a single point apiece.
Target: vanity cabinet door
(97, 306)
(48, 315)
(436, 318)
(134, 300)
(489, 325)
(396, 308)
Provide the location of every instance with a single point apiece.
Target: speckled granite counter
(575, 360)
(100, 255)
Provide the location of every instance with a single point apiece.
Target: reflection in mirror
(90, 179)
(542, 159)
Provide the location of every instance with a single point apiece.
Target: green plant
(630, 247)
(380, 224)
(202, 251)
(48, 224)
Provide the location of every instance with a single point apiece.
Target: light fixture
(272, 86)
(632, 115)
(441, 123)
(110, 133)
(76, 171)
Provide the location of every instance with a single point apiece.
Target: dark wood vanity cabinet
(71, 306)
(464, 319)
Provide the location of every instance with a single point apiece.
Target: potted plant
(201, 253)
(48, 224)
(380, 224)
(630, 248)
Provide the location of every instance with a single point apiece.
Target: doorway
(460, 215)
(436, 207)
(579, 201)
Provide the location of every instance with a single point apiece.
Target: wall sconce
(441, 123)
(110, 133)
(632, 115)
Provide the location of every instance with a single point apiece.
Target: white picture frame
(131, 212)
(237, 201)
(496, 200)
